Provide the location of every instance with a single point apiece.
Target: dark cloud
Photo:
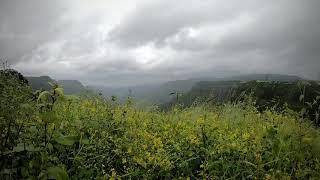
(25, 24)
(129, 42)
(160, 19)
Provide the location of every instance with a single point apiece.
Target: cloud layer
(125, 42)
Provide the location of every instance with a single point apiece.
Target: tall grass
(231, 141)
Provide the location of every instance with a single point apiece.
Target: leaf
(50, 147)
(19, 148)
(113, 98)
(309, 104)
(314, 102)
(307, 140)
(67, 140)
(57, 173)
(84, 141)
(26, 106)
(31, 148)
(44, 95)
(33, 129)
(7, 171)
(48, 117)
(318, 98)
(24, 147)
(59, 91)
(303, 111)
(37, 92)
(301, 97)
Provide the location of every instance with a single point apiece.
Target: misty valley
(159, 89)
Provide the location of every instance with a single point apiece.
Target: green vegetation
(46, 135)
(71, 87)
(299, 96)
(205, 91)
(41, 82)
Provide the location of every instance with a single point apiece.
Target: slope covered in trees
(41, 82)
(298, 95)
(71, 87)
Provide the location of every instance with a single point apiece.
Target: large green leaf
(67, 140)
(24, 147)
(59, 91)
(57, 173)
(48, 116)
(19, 148)
(44, 96)
(85, 141)
(309, 104)
(301, 97)
(26, 106)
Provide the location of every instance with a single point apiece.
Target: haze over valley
(159, 89)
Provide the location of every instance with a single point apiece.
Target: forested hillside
(40, 82)
(297, 95)
(70, 86)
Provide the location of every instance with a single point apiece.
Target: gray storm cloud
(129, 42)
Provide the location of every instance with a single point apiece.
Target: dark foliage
(11, 73)
(300, 96)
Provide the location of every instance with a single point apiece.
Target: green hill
(298, 95)
(72, 86)
(218, 91)
(160, 94)
(265, 77)
(40, 82)
(69, 86)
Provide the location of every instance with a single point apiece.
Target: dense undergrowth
(57, 137)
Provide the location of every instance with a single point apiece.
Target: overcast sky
(126, 42)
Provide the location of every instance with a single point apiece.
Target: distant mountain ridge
(69, 86)
(160, 93)
(72, 86)
(265, 77)
(41, 82)
(267, 94)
